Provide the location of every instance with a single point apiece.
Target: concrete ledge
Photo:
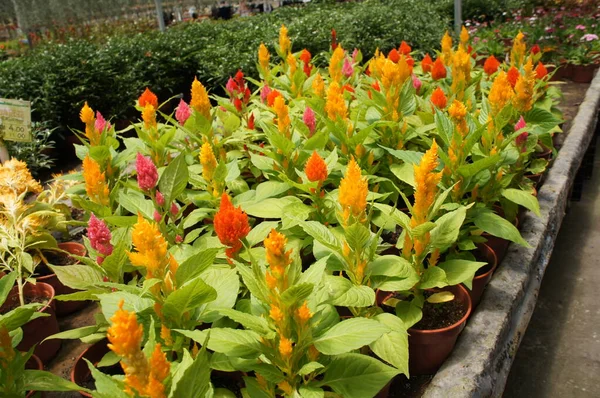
(481, 360)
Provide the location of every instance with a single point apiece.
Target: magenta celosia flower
(520, 124)
(522, 138)
(160, 199)
(347, 69)
(101, 123)
(309, 119)
(99, 236)
(264, 93)
(147, 174)
(183, 112)
(174, 209)
(157, 217)
(416, 83)
(354, 54)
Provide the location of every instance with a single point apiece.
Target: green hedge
(59, 78)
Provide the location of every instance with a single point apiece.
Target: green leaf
(109, 303)
(134, 202)
(174, 179)
(314, 274)
(254, 281)
(357, 376)
(188, 297)
(249, 321)
(469, 170)
(109, 359)
(500, 227)
(40, 380)
(321, 234)
(409, 312)
(392, 346)
(226, 283)
(6, 284)
(231, 342)
(254, 390)
(269, 208)
(269, 189)
(309, 368)
(20, 316)
(114, 263)
(74, 333)
(77, 276)
(389, 265)
(296, 294)
(195, 265)
(440, 297)
(433, 277)
(311, 392)
(357, 236)
(270, 372)
(195, 381)
(523, 198)
(106, 386)
(396, 215)
(260, 232)
(447, 228)
(196, 216)
(348, 335)
(356, 296)
(294, 214)
(460, 271)
(410, 157)
(405, 173)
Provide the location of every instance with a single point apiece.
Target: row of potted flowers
(318, 232)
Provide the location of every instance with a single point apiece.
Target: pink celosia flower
(99, 236)
(354, 54)
(174, 209)
(416, 83)
(101, 123)
(347, 69)
(160, 199)
(157, 216)
(522, 138)
(309, 119)
(147, 174)
(183, 112)
(178, 239)
(589, 37)
(264, 93)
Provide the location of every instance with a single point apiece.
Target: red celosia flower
(426, 64)
(148, 98)
(541, 71)
(394, 56)
(251, 122)
(439, 70)
(405, 48)
(271, 97)
(99, 236)
(333, 39)
(231, 225)
(438, 98)
(512, 76)
(491, 65)
(376, 86)
(231, 86)
(309, 119)
(535, 49)
(410, 62)
(305, 57)
(316, 168)
(147, 174)
(238, 104)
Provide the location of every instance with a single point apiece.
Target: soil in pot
(441, 315)
(37, 330)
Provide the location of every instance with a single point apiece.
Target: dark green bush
(110, 76)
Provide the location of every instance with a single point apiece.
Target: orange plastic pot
(81, 372)
(428, 349)
(35, 331)
(65, 307)
(484, 274)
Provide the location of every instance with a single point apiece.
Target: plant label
(15, 120)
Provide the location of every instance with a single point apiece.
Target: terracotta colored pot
(583, 73)
(484, 274)
(38, 329)
(34, 363)
(567, 70)
(65, 307)
(428, 349)
(81, 372)
(385, 391)
(538, 179)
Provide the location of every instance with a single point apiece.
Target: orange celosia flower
(318, 85)
(151, 248)
(316, 168)
(336, 63)
(438, 71)
(517, 54)
(263, 57)
(304, 313)
(285, 347)
(523, 99)
(446, 49)
(286, 387)
(353, 192)
(500, 93)
(285, 45)
(426, 64)
(335, 105)
(125, 334)
(491, 65)
(208, 161)
(404, 48)
(426, 184)
(95, 182)
(277, 258)
(148, 98)
(149, 116)
(461, 71)
(458, 112)
(394, 55)
(200, 101)
(305, 56)
(231, 225)
(87, 116)
(464, 37)
(271, 97)
(541, 71)
(438, 98)
(513, 75)
(275, 313)
(283, 117)
(292, 64)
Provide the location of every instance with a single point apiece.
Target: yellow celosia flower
(318, 85)
(336, 105)
(151, 248)
(283, 117)
(277, 258)
(263, 57)
(336, 63)
(285, 347)
(291, 61)
(500, 93)
(87, 116)
(446, 49)
(523, 99)
(458, 112)
(165, 334)
(464, 37)
(95, 182)
(353, 192)
(275, 313)
(517, 54)
(425, 185)
(200, 101)
(461, 71)
(286, 387)
(208, 161)
(285, 45)
(149, 116)
(16, 179)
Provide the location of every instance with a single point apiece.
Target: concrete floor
(560, 353)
